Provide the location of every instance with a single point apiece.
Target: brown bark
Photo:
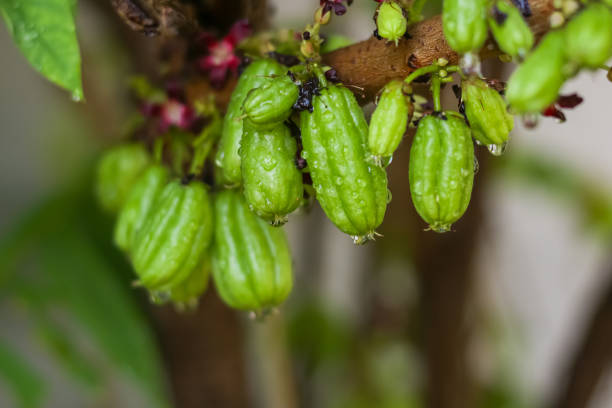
(592, 357)
(370, 64)
(204, 357)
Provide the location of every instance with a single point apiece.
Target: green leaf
(26, 384)
(45, 32)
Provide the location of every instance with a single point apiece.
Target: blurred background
(512, 309)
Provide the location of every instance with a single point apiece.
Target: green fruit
(351, 189)
(186, 293)
(441, 170)
(486, 112)
(588, 36)
(251, 260)
(510, 30)
(138, 204)
(227, 159)
(335, 41)
(272, 183)
(271, 103)
(174, 237)
(389, 120)
(390, 21)
(464, 23)
(535, 84)
(117, 171)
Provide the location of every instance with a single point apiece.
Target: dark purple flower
(335, 5)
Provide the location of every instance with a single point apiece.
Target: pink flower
(175, 113)
(221, 56)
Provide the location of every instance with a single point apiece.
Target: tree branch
(370, 64)
(156, 17)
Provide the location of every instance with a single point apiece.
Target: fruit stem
(203, 144)
(158, 150)
(435, 91)
(420, 72)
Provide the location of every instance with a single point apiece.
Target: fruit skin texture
(227, 159)
(513, 35)
(272, 183)
(174, 237)
(486, 112)
(117, 171)
(271, 103)
(441, 170)
(535, 84)
(186, 293)
(138, 204)
(389, 120)
(390, 21)
(588, 36)
(351, 189)
(251, 260)
(465, 24)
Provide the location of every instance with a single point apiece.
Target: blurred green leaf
(23, 380)
(557, 178)
(45, 32)
(67, 242)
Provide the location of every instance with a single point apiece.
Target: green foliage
(59, 258)
(24, 381)
(45, 32)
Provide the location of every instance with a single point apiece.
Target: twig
(370, 64)
(156, 17)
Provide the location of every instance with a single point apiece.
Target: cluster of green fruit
(291, 134)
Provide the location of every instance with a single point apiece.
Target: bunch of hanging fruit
(215, 199)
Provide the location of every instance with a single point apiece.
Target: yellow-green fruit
(441, 170)
(510, 30)
(174, 236)
(390, 21)
(138, 204)
(535, 84)
(227, 159)
(351, 189)
(116, 173)
(251, 260)
(186, 293)
(389, 120)
(588, 36)
(272, 182)
(271, 103)
(487, 113)
(465, 24)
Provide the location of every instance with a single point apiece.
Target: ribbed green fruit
(389, 120)
(117, 170)
(270, 104)
(464, 23)
(227, 159)
(350, 187)
(138, 204)
(272, 183)
(186, 294)
(535, 84)
(512, 34)
(588, 36)
(441, 170)
(174, 236)
(487, 113)
(390, 21)
(251, 259)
